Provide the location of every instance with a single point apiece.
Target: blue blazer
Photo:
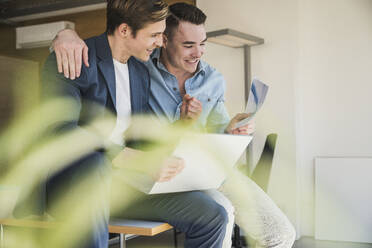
(95, 85)
(97, 82)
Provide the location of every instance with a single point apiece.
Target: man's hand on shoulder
(70, 49)
(247, 129)
(191, 108)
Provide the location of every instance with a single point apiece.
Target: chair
(261, 176)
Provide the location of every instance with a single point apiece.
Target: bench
(127, 229)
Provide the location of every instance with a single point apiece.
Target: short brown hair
(183, 12)
(136, 13)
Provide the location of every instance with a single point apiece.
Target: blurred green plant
(30, 152)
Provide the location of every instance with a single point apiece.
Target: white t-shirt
(123, 105)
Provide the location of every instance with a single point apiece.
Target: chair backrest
(262, 171)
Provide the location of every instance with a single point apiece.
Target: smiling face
(185, 48)
(146, 40)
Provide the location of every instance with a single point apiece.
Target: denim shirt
(207, 85)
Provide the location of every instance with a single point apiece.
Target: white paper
(257, 95)
(205, 156)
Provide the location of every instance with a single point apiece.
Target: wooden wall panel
(19, 87)
(87, 24)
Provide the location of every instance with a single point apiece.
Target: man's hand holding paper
(256, 98)
(167, 170)
(171, 167)
(245, 129)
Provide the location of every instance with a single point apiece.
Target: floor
(306, 242)
(165, 240)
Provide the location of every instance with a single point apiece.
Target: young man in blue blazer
(116, 83)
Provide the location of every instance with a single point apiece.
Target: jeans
(257, 214)
(194, 213)
(83, 190)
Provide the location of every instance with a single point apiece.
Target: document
(205, 156)
(256, 98)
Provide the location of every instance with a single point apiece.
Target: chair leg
(122, 240)
(237, 243)
(175, 237)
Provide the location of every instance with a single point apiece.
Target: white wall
(274, 63)
(317, 62)
(334, 88)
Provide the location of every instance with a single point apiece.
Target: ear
(165, 41)
(124, 30)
